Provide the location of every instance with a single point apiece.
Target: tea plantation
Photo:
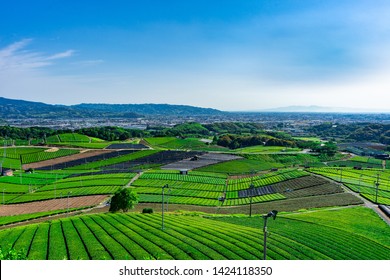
(318, 235)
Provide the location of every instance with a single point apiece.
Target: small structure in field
(7, 172)
(184, 172)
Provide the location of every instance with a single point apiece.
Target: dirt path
(132, 180)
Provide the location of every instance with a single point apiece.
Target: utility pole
(162, 206)
(273, 214)
(250, 190)
(169, 195)
(265, 238)
(377, 186)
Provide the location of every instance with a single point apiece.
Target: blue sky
(229, 55)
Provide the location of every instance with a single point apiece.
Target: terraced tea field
(46, 155)
(67, 137)
(361, 181)
(46, 186)
(139, 236)
(16, 156)
(207, 189)
(73, 181)
(260, 161)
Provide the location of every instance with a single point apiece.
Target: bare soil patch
(50, 205)
(81, 155)
(51, 150)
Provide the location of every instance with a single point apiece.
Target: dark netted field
(200, 161)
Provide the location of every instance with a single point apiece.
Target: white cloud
(228, 82)
(87, 63)
(16, 57)
(13, 48)
(64, 54)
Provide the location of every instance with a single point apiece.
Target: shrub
(147, 211)
(11, 254)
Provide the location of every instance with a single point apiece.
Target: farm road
(132, 180)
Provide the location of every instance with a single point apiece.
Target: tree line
(370, 132)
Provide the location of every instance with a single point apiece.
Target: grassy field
(313, 139)
(10, 163)
(173, 143)
(318, 235)
(266, 149)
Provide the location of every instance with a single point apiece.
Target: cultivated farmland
(363, 182)
(137, 236)
(62, 180)
(50, 205)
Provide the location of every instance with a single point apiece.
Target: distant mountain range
(149, 109)
(319, 109)
(21, 109)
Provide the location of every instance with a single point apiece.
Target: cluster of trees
(108, 133)
(354, 132)
(234, 128)
(385, 138)
(237, 141)
(328, 149)
(188, 130)
(112, 133)
(194, 129)
(10, 132)
(276, 139)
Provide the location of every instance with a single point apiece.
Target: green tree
(124, 200)
(329, 149)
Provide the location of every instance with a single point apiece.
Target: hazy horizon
(228, 55)
(287, 109)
